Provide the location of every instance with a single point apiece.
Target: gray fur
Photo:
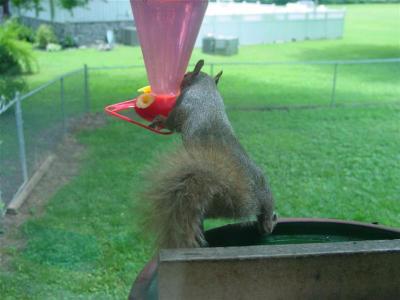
(199, 184)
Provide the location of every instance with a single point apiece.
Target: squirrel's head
(196, 75)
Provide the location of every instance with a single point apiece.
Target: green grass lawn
(322, 163)
(333, 163)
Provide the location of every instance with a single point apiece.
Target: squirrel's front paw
(158, 122)
(266, 223)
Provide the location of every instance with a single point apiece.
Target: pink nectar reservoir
(167, 31)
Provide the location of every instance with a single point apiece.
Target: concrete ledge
(348, 270)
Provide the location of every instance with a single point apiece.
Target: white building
(252, 23)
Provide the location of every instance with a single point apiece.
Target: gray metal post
(86, 88)
(211, 69)
(333, 94)
(21, 139)
(62, 105)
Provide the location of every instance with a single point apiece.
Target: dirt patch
(91, 121)
(69, 154)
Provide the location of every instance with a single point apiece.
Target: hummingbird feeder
(167, 31)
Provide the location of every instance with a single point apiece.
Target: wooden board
(20, 198)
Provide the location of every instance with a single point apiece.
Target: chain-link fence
(273, 84)
(32, 124)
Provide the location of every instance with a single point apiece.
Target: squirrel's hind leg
(202, 241)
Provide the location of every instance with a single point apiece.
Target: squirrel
(211, 176)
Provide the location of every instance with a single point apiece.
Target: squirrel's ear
(198, 67)
(217, 77)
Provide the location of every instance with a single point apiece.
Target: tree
(5, 4)
(36, 4)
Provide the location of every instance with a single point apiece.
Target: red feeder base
(162, 105)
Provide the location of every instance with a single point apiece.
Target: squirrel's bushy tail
(188, 185)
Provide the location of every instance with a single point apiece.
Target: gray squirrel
(211, 176)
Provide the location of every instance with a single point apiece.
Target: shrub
(10, 82)
(45, 35)
(9, 85)
(15, 57)
(69, 42)
(14, 52)
(23, 32)
(8, 63)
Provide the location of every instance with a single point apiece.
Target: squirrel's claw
(266, 224)
(157, 122)
(154, 125)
